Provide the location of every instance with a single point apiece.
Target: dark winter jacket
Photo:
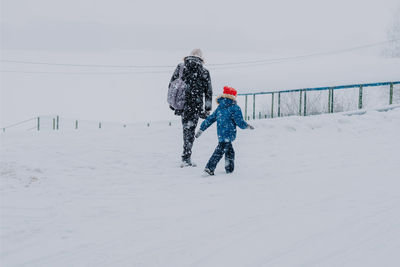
(228, 115)
(198, 80)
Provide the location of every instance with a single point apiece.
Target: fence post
(58, 119)
(245, 108)
(329, 101)
(272, 106)
(254, 106)
(332, 98)
(391, 94)
(259, 115)
(54, 123)
(38, 123)
(279, 104)
(305, 103)
(360, 96)
(76, 124)
(301, 95)
(99, 125)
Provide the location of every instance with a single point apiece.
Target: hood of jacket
(225, 102)
(189, 60)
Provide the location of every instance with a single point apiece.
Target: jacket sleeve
(208, 93)
(238, 118)
(175, 75)
(209, 121)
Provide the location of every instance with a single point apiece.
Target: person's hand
(178, 112)
(204, 114)
(199, 132)
(251, 127)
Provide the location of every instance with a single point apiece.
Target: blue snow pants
(223, 148)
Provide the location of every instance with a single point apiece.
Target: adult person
(198, 87)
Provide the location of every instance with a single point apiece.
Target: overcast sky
(176, 24)
(130, 32)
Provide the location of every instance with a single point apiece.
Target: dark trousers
(223, 148)
(189, 124)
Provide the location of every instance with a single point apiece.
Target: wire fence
(166, 68)
(56, 123)
(319, 100)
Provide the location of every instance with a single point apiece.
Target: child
(228, 115)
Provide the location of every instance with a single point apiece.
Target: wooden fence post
(360, 97)
(391, 94)
(329, 100)
(305, 103)
(38, 123)
(76, 124)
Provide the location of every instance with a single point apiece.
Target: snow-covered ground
(307, 191)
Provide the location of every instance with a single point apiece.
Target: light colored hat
(197, 53)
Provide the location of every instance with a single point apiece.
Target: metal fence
(301, 102)
(311, 101)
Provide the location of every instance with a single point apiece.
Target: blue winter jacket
(228, 115)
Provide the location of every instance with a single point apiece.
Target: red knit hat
(230, 91)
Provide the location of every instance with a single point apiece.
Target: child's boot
(208, 171)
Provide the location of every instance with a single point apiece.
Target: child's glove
(251, 127)
(204, 114)
(199, 132)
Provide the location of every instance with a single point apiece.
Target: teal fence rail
(309, 101)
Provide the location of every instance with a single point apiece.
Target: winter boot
(187, 163)
(208, 171)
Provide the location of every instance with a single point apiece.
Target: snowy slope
(314, 191)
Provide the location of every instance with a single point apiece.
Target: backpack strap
(181, 70)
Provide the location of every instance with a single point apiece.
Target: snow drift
(307, 191)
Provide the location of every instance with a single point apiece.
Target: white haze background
(162, 33)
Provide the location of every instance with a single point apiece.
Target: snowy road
(314, 191)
